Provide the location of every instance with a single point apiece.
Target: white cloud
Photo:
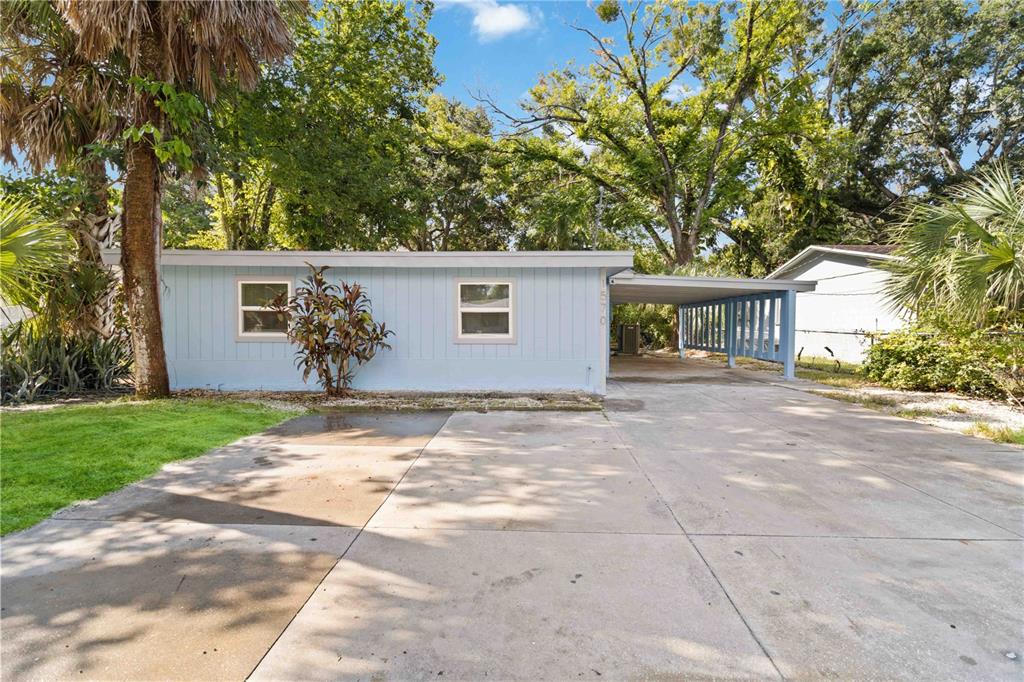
(677, 92)
(493, 20)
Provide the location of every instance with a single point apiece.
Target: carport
(753, 318)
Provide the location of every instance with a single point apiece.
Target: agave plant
(32, 249)
(37, 362)
(964, 254)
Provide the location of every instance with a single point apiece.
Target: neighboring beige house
(832, 320)
(9, 314)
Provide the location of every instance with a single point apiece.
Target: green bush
(985, 363)
(657, 322)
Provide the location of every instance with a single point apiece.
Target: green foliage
(68, 299)
(550, 207)
(917, 84)
(56, 351)
(751, 130)
(55, 457)
(730, 133)
(1000, 434)
(333, 328)
(181, 110)
(52, 193)
(43, 362)
(32, 250)
(964, 255)
(678, 114)
(457, 203)
(330, 134)
(608, 10)
(964, 359)
(186, 213)
(657, 323)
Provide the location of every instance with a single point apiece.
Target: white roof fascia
(812, 250)
(739, 283)
(629, 287)
(613, 261)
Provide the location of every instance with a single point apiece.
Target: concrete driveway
(707, 525)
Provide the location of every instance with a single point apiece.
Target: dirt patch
(698, 379)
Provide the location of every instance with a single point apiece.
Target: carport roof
(629, 287)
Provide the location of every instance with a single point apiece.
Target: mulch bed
(409, 400)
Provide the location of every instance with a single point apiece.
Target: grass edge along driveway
(52, 458)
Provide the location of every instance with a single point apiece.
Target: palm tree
(964, 254)
(54, 104)
(31, 249)
(193, 46)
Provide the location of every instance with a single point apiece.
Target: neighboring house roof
(614, 261)
(869, 252)
(864, 248)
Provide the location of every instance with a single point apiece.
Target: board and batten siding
(848, 303)
(560, 331)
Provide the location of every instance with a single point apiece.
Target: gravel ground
(945, 410)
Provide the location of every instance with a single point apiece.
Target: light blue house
(500, 321)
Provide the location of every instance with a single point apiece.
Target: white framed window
(485, 311)
(256, 321)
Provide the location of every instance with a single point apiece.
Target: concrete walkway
(707, 525)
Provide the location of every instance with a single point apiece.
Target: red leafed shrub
(333, 328)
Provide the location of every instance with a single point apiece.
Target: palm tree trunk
(92, 236)
(139, 245)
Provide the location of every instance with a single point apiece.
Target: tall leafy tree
(928, 90)
(458, 204)
(674, 109)
(58, 107)
(186, 213)
(168, 50)
(329, 136)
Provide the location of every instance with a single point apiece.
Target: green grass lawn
(51, 458)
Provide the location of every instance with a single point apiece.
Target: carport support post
(730, 333)
(787, 334)
(682, 332)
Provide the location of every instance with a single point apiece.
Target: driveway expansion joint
(355, 537)
(664, 502)
(788, 536)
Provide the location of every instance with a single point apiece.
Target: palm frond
(31, 250)
(963, 254)
(198, 43)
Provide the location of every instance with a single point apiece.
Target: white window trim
(509, 338)
(240, 334)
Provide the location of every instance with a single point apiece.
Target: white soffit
(632, 288)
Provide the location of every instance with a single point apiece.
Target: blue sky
(500, 48)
